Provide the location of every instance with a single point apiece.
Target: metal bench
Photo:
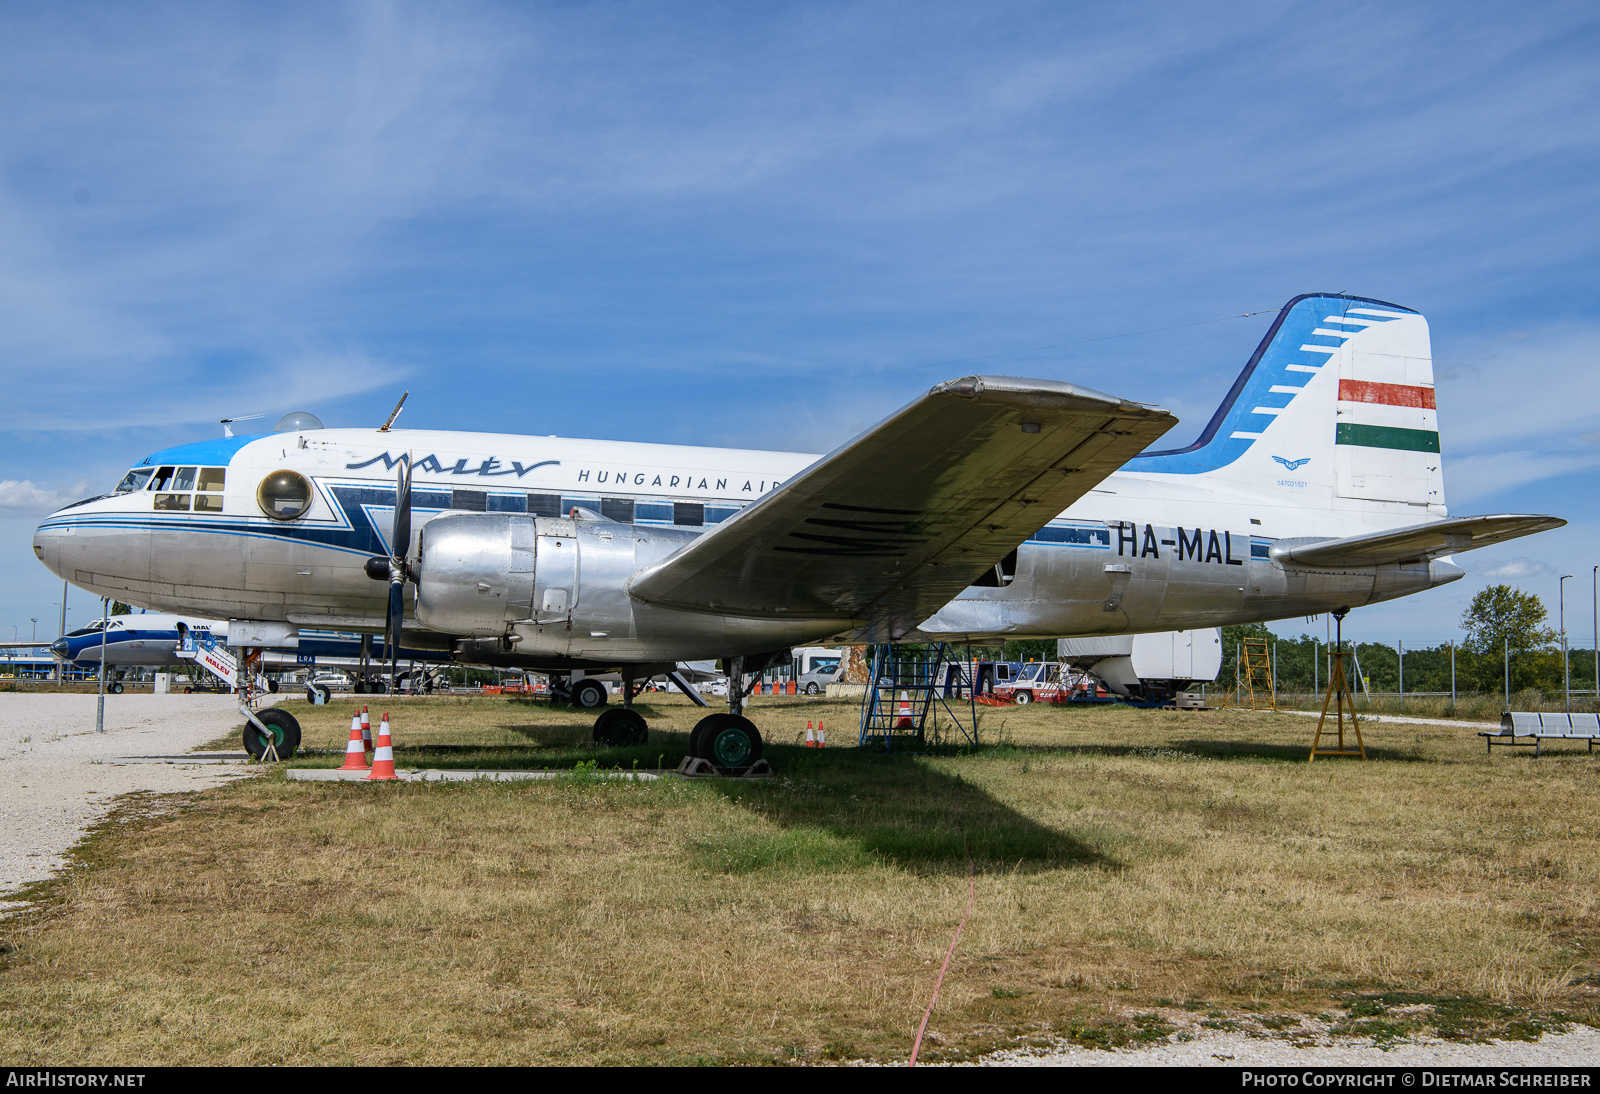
(1543, 727)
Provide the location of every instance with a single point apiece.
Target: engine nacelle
(552, 585)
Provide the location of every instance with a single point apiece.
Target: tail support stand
(1339, 694)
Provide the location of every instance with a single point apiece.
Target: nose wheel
(284, 730)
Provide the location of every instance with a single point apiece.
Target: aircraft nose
(60, 648)
(47, 547)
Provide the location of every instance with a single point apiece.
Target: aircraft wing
(26, 645)
(1418, 543)
(884, 531)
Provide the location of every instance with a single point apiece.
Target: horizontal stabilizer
(1418, 543)
(881, 533)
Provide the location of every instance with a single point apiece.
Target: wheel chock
(694, 767)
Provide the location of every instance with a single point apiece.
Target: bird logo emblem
(1293, 465)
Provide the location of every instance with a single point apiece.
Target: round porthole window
(284, 495)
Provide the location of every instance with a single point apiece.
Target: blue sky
(651, 221)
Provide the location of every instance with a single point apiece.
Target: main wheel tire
(701, 728)
(115, 688)
(1023, 698)
(589, 694)
(285, 733)
(620, 726)
(272, 686)
(735, 743)
(812, 689)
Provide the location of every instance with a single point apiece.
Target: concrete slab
(453, 775)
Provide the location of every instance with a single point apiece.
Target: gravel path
(1213, 1048)
(58, 777)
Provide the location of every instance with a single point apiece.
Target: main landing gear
(727, 740)
(620, 726)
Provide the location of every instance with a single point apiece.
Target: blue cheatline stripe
(1097, 537)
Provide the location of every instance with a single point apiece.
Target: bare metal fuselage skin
(1142, 553)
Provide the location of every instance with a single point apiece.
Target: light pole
(1566, 676)
(61, 673)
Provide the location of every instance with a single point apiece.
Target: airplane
(152, 640)
(990, 507)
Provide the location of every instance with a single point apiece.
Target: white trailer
(1147, 666)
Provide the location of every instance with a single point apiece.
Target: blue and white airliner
(990, 507)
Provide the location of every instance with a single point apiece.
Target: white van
(815, 667)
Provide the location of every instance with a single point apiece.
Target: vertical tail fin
(1337, 401)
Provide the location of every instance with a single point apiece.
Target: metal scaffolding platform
(915, 700)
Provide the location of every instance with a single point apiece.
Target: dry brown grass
(1129, 864)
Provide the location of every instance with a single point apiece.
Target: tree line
(1499, 619)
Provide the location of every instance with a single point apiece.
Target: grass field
(1138, 874)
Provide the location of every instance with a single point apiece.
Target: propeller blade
(391, 627)
(400, 542)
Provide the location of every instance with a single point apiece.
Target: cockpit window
(134, 480)
(159, 481)
(183, 479)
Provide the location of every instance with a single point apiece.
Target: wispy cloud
(1519, 568)
(21, 497)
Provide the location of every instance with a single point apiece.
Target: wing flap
(1418, 543)
(883, 531)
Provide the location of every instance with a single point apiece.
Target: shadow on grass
(1209, 749)
(850, 807)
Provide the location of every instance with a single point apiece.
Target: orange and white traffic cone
(366, 732)
(811, 736)
(383, 758)
(355, 754)
(903, 716)
(822, 736)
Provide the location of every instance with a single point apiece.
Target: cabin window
(134, 480)
(208, 503)
(211, 479)
(473, 501)
(178, 503)
(617, 509)
(284, 495)
(544, 505)
(691, 514)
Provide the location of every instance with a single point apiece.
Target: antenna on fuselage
(393, 414)
(227, 423)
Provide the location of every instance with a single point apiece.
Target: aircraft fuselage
(1143, 552)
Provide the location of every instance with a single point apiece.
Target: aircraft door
(555, 586)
